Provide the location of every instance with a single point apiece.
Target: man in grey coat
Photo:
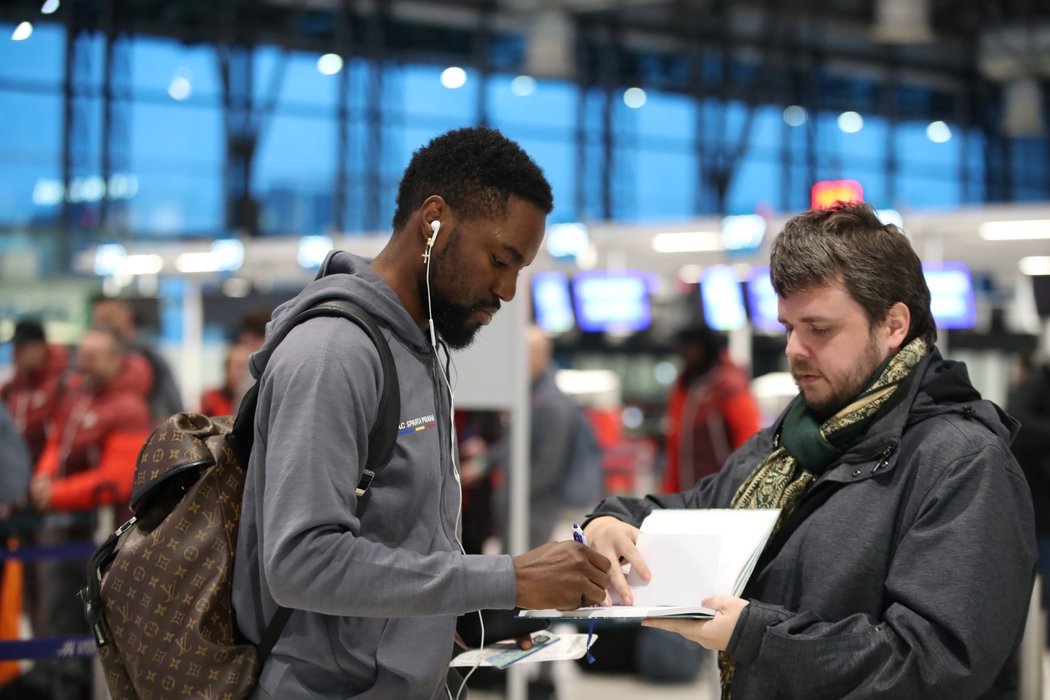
(375, 583)
(903, 560)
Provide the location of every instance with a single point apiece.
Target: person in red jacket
(711, 410)
(88, 462)
(33, 391)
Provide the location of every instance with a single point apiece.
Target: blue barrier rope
(72, 550)
(68, 647)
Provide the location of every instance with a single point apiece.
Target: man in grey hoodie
(903, 561)
(375, 584)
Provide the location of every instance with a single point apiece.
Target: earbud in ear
(435, 226)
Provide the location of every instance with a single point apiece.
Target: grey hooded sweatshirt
(375, 585)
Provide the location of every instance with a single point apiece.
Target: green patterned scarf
(806, 448)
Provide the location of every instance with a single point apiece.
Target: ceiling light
(180, 87)
(795, 115)
(938, 132)
(850, 122)
(329, 64)
(22, 32)
(141, 265)
(1034, 265)
(198, 262)
(634, 97)
(453, 77)
(687, 242)
(49, 7)
(1021, 230)
(523, 85)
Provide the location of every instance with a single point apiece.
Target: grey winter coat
(912, 580)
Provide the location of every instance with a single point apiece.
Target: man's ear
(897, 325)
(433, 209)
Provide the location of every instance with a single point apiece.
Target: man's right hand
(616, 540)
(561, 575)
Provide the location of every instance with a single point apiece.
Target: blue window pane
(767, 130)
(297, 76)
(174, 204)
(667, 116)
(190, 135)
(40, 58)
(665, 182)
(868, 144)
(295, 175)
(755, 185)
(155, 63)
(177, 157)
(916, 150)
(551, 107)
(425, 98)
(30, 126)
(916, 192)
(29, 192)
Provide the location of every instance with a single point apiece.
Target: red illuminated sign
(826, 192)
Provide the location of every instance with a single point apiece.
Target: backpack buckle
(366, 481)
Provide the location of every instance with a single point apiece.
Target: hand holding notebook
(693, 554)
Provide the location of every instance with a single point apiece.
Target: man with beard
(903, 559)
(375, 591)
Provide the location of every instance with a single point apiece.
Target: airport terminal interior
(197, 159)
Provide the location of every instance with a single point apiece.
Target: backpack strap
(381, 437)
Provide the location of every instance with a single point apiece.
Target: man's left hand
(713, 633)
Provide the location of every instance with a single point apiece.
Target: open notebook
(693, 554)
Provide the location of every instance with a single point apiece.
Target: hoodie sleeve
(319, 396)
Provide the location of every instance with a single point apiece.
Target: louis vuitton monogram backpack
(158, 593)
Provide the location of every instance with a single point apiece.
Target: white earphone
(435, 226)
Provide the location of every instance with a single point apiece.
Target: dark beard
(451, 321)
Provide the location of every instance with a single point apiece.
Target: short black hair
(475, 170)
(29, 330)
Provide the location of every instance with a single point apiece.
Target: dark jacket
(912, 580)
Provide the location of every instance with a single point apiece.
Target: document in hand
(693, 554)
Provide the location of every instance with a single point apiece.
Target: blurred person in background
(554, 423)
(115, 313)
(1029, 402)
(710, 413)
(15, 464)
(32, 393)
(224, 400)
(252, 329)
(88, 462)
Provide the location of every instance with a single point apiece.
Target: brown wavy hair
(875, 261)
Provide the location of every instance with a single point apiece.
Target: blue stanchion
(72, 550)
(67, 647)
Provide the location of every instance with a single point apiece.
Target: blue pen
(577, 534)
